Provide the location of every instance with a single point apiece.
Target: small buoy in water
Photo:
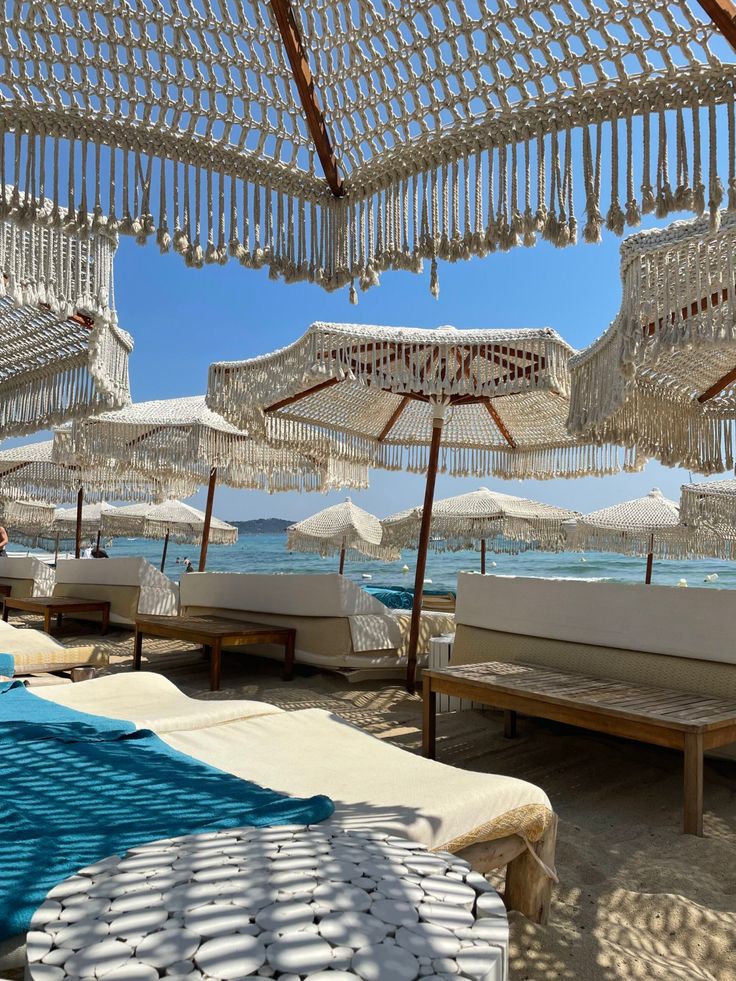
(711, 578)
(493, 565)
(405, 568)
(366, 575)
(427, 582)
(583, 559)
(682, 583)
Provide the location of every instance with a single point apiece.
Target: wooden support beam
(717, 387)
(723, 15)
(301, 395)
(394, 418)
(500, 425)
(301, 71)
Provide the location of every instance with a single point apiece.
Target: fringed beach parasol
(470, 402)
(710, 507)
(182, 438)
(32, 472)
(647, 526)
(65, 355)
(503, 521)
(663, 376)
(169, 520)
(332, 141)
(340, 530)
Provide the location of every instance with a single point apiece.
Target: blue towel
(7, 665)
(77, 788)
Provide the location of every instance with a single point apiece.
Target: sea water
(268, 553)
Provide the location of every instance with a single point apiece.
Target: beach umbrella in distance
(67, 356)
(169, 520)
(710, 507)
(663, 376)
(32, 472)
(649, 526)
(507, 522)
(341, 530)
(28, 522)
(92, 520)
(474, 402)
(183, 438)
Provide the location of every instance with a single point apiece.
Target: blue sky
(182, 319)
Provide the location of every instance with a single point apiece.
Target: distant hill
(262, 526)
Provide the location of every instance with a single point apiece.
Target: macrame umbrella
(648, 526)
(182, 438)
(168, 520)
(710, 507)
(93, 518)
(509, 523)
(338, 530)
(31, 471)
(28, 522)
(471, 402)
(65, 354)
(331, 141)
(663, 376)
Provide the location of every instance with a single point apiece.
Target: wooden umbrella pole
(342, 558)
(650, 560)
(482, 556)
(166, 548)
(416, 610)
(56, 550)
(97, 546)
(78, 540)
(207, 518)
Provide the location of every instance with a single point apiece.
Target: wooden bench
(214, 633)
(661, 716)
(57, 606)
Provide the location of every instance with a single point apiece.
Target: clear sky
(182, 319)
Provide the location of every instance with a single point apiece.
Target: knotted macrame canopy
(710, 508)
(169, 520)
(344, 530)
(46, 526)
(28, 522)
(647, 526)
(663, 376)
(485, 518)
(469, 402)
(64, 355)
(332, 140)
(182, 438)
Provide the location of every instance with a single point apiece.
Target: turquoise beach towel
(77, 788)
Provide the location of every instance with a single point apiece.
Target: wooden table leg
(288, 670)
(693, 784)
(105, 620)
(137, 649)
(429, 727)
(58, 620)
(215, 658)
(47, 620)
(509, 724)
(6, 612)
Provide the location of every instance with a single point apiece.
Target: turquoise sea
(267, 553)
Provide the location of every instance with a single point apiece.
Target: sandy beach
(636, 900)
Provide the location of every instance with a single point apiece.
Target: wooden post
(650, 560)
(207, 518)
(723, 15)
(482, 556)
(342, 558)
(97, 546)
(78, 540)
(166, 548)
(56, 551)
(416, 610)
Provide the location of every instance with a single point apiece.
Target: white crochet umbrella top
(369, 394)
(341, 526)
(461, 521)
(456, 127)
(711, 506)
(181, 521)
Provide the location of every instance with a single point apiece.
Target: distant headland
(262, 526)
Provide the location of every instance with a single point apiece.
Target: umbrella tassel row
(468, 194)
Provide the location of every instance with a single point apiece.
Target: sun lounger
(339, 625)
(26, 576)
(130, 585)
(34, 652)
(493, 821)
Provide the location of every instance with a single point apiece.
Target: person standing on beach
(3, 540)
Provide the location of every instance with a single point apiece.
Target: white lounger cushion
(131, 585)
(35, 652)
(314, 752)
(151, 701)
(26, 575)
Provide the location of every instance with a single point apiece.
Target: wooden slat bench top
(64, 604)
(666, 706)
(662, 716)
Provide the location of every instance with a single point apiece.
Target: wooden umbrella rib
(283, 403)
(302, 74)
(717, 387)
(723, 15)
(394, 418)
(500, 424)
